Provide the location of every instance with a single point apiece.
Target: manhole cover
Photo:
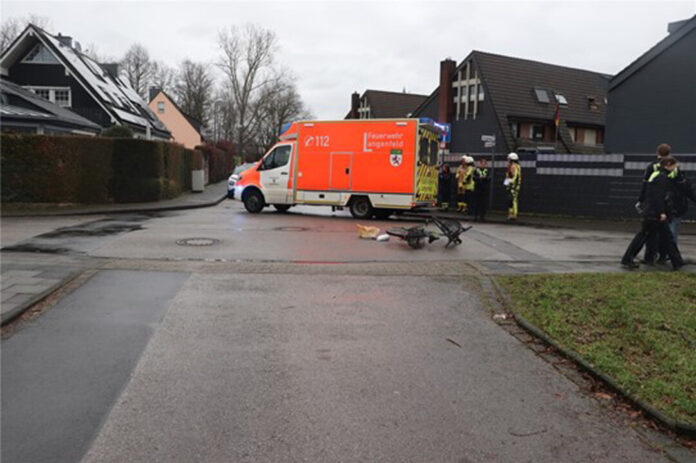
(197, 242)
(291, 229)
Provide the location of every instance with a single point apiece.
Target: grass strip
(638, 328)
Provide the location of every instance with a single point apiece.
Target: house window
(537, 132)
(592, 104)
(62, 97)
(43, 93)
(40, 54)
(160, 107)
(59, 95)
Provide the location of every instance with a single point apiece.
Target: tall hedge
(67, 169)
(220, 162)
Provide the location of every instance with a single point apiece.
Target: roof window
(561, 99)
(542, 95)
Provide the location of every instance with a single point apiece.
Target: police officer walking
(482, 182)
(445, 189)
(656, 217)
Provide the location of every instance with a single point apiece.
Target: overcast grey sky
(335, 48)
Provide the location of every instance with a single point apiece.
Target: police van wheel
(361, 208)
(282, 208)
(253, 201)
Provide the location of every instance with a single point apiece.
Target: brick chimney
(446, 103)
(354, 105)
(152, 92)
(111, 68)
(65, 39)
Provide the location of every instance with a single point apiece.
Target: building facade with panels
(653, 100)
(22, 111)
(378, 104)
(54, 68)
(517, 101)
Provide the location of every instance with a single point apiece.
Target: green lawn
(639, 328)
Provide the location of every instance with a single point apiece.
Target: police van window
(423, 150)
(278, 158)
(433, 153)
(268, 161)
(282, 155)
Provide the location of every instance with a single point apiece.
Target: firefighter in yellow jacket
(513, 183)
(465, 183)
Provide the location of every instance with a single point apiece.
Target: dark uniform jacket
(649, 170)
(682, 191)
(482, 178)
(657, 188)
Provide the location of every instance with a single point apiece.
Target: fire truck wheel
(361, 208)
(253, 201)
(282, 208)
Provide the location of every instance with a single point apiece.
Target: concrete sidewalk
(28, 278)
(213, 194)
(550, 221)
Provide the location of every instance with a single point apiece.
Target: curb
(20, 309)
(123, 211)
(679, 427)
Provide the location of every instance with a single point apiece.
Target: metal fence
(591, 185)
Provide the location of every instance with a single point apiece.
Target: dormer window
(561, 99)
(542, 95)
(40, 54)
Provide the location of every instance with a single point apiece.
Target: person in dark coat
(678, 204)
(445, 187)
(663, 150)
(655, 217)
(482, 182)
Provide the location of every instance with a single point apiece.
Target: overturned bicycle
(416, 236)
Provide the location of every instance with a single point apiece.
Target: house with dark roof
(184, 128)
(517, 101)
(24, 111)
(378, 104)
(54, 68)
(653, 100)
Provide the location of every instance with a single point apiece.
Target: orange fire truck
(374, 167)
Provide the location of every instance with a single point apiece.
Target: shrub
(219, 162)
(67, 169)
(117, 131)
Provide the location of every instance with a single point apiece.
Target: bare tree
(246, 61)
(136, 68)
(93, 52)
(162, 76)
(11, 28)
(194, 89)
(223, 115)
(280, 104)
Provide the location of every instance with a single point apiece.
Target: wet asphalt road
(214, 365)
(62, 374)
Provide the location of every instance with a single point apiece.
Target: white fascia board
(10, 53)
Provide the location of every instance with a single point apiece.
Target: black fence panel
(590, 185)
